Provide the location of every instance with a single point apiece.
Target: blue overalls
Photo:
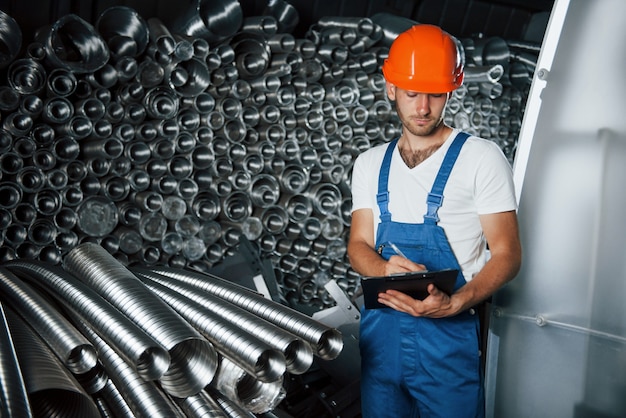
(420, 367)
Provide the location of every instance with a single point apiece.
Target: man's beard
(422, 130)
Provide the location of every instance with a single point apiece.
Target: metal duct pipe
(124, 30)
(31, 105)
(201, 405)
(256, 396)
(326, 341)
(13, 395)
(484, 73)
(246, 350)
(143, 397)
(149, 359)
(230, 407)
(285, 14)
(297, 353)
(51, 388)
(213, 21)
(491, 90)
(261, 25)
(392, 26)
(57, 110)
(18, 124)
(251, 126)
(72, 348)
(27, 76)
(61, 82)
(10, 39)
(111, 403)
(98, 269)
(160, 36)
(72, 33)
(9, 99)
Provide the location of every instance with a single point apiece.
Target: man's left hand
(436, 305)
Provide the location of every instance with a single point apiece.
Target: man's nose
(422, 103)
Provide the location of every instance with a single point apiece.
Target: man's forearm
(495, 274)
(365, 260)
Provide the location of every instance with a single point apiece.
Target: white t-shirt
(480, 183)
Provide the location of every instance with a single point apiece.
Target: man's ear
(391, 91)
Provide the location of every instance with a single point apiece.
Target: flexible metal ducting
(201, 405)
(13, 394)
(71, 347)
(298, 354)
(326, 341)
(164, 149)
(52, 390)
(253, 355)
(256, 396)
(144, 398)
(150, 359)
(193, 358)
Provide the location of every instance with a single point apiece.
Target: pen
(397, 250)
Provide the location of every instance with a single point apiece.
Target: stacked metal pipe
(148, 342)
(130, 150)
(165, 145)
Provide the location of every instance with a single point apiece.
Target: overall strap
(435, 197)
(382, 197)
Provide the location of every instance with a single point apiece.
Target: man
(439, 196)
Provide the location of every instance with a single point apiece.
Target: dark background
(510, 19)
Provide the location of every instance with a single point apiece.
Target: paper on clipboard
(414, 284)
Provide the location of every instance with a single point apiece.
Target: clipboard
(413, 283)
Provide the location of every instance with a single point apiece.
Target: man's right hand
(398, 264)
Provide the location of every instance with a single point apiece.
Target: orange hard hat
(425, 59)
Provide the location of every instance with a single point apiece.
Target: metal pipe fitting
(72, 33)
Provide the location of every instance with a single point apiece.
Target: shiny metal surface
(253, 129)
(193, 358)
(201, 405)
(149, 358)
(13, 395)
(72, 348)
(144, 398)
(256, 396)
(51, 388)
(243, 348)
(72, 33)
(298, 354)
(326, 341)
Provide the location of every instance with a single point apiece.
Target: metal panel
(556, 343)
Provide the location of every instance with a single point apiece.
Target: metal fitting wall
(164, 139)
(165, 143)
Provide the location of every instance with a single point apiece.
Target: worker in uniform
(435, 198)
